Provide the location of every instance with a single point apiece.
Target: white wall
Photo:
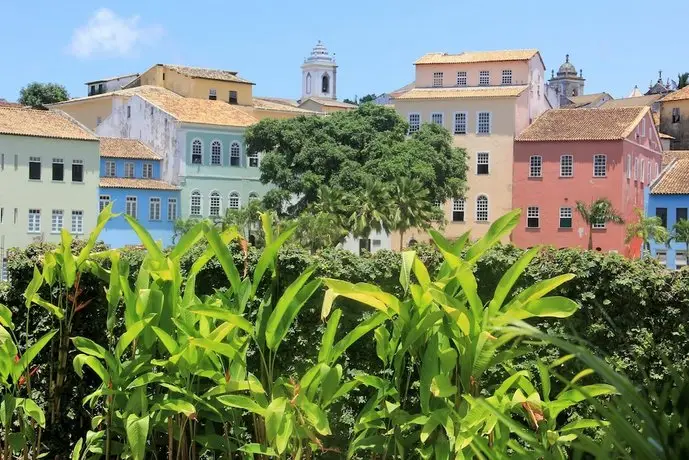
(383, 239)
(317, 71)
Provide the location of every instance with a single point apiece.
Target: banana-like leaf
(274, 415)
(242, 402)
(329, 336)
(33, 287)
(226, 236)
(257, 449)
(509, 279)
(114, 290)
(105, 215)
(147, 240)
(59, 314)
(137, 433)
(315, 415)
(32, 409)
(224, 315)
(132, 333)
(91, 361)
(222, 252)
(499, 229)
(382, 337)
(405, 270)
(187, 241)
(269, 255)
(355, 334)
(69, 266)
(178, 406)
(538, 290)
(30, 354)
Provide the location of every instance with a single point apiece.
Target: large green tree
(648, 229)
(39, 94)
(411, 207)
(347, 150)
(600, 211)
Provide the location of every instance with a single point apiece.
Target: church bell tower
(319, 74)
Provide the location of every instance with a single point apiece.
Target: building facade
(568, 82)
(674, 118)
(108, 85)
(319, 74)
(48, 177)
(567, 156)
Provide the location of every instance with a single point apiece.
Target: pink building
(571, 155)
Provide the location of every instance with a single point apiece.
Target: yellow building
(674, 118)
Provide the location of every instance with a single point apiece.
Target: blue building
(668, 198)
(130, 179)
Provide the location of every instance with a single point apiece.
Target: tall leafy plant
(598, 212)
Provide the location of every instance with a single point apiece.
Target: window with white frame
(196, 152)
(565, 217)
(662, 257)
(195, 203)
(34, 168)
(58, 169)
(507, 77)
(460, 126)
(214, 205)
(598, 225)
(235, 152)
(103, 202)
(461, 78)
(77, 222)
(600, 163)
(484, 78)
(482, 208)
(483, 124)
(533, 217)
(171, 209)
(566, 166)
(535, 166)
(458, 210)
(437, 118)
(253, 160)
(212, 94)
(414, 122)
(110, 169)
(643, 171)
(57, 221)
(233, 201)
(154, 208)
(657, 170)
(437, 79)
(253, 196)
(130, 206)
(148, 171)
(77, 170)
(34, 221)
(628, 166)
(129, 169)
(216, 153)
(482, 163)
(643, 127)
(636, 168)
(680, 259)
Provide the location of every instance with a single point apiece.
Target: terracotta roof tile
(679, 95)
(330, 102)
(42, 123)
(584, 124)
(584, 100)
(664, 136)
(638, 101)
(272, 104)
(675, 179)
(142, 184)
(141, 90)
(114, 147)
(670, 155)
(477, 56)
(458, 93)
(211, 74)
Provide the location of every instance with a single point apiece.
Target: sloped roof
(115, 147)
(112, 78)
(142, 184)
(211, 74)
(145, 89)
(477, 56)
(671, 155)
(637, 101)
(261, 103)
(280, 100)
(597, 124)
(395, 93)
(56, 124)
(329, 102)
(675, 179)
(679, 95)
(585, 99)
(458, 93)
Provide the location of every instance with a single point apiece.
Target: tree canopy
(37, 94)
(348, 150)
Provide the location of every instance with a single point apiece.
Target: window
(34, 221)
(214, 205)
(535, 166)
(253, 160)
(57, 221)
(253, 196)
(35, 168)
(233, 96)
(103, 202)
(110, 170)
(458, 210)
(437, 79)
(58, 169)
(2, 161)
(154, 208)
(599, 165)
(636, 168)
(99, 120)
(483, 125)
(77, 170)
(196, 152)
(129, 169)
(662, 213)
(460, 123)
(325, 83)
(461, 78)
(675, 115)
(628, 167)
(130, 206)
(148, 171)
(308, 83)
(566, 166)
(129, 112)
(680, 259)
(484, 78)
(482, 162)
(565, 217)
(195, 203)
(657, 172)
(212, 94)
(233, 201)
(533, 217)
(235, 151)
(482, 208)
(662, 257)
(78, 222)
(437, 118)
(599, 225)
(643, 170)
(151, 110)
(216, 153)
(172, 209)
(681, 214)
(507, 77)
(3, 267)
(414, 122)
(643, 127)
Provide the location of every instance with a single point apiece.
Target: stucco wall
(680, 131)
(520, 73)
(87, 111)
(671, 203)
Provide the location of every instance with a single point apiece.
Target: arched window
(482, 208)
(308, 83)
(253, 160)
(235, 152)
(253, 196)
(195, 203)
(196, 152)
(233, 201)
(214, 204)
(325, 87)
(216, 153)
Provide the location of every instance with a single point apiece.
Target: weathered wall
(680, 131)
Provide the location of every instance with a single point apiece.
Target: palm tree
(371, 210)
(335, 202)
(412, 208)
(680, 232)
(600, 211)
(648, 229)
(682, 80)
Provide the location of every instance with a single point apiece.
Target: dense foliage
(39, 94)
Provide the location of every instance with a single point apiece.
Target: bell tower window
(308, 83)
(325, 84)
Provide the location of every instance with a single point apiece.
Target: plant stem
(170, 439)
(107, 431)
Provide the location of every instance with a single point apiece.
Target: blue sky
(617, 43)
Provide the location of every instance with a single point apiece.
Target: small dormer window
(212, 94)
(92, 90)
(484, 78)
(101, 88)
(437, 79)
(507, 77)
(325, 84)
(233, 97)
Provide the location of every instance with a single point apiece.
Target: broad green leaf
(441, 387)
(382, 337)
(31, 409)
(470, 289)
(343, 390)
(315, 415)
(555, 307)
(328, 299)
(6, 316)
(178, 406)
(59, 314)
(89, 347)
(587, 391)
(242, 402)
(76, 452)
(269, 255)
(149, 377)
(284, 434)
(132, 333)
(31, 353)
(288, 307)
(33, 287)
(355, 334)
(499, 229)
(187, 241)
(226, 236)
(167, 340)
(224, 315)
(545, 379)
(137, 433)
(329, 336)
(509, 279)
(421, 273)
(274, 415)
(114, 290)
(69, 267)
(105, 215)
(366, 294)
(257, 449)
(151, 246)
(267, 225)
(91, 361)
(222, 348)
(405, 270)
(582, 424)
(222, 252)
(49, 266)
(538, 290)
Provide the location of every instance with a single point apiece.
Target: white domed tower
(319, 74)
(568, 82)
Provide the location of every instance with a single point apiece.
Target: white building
(319, 74)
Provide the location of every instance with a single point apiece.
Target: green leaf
(224, 256)
(258, 449)
(76, 452)
(242, 402)
(274, 415)
(269, 255)
(89, 347)
(355, 334)
(226, 236)
(31, 353)
(137, 433)
(224, 349)
(178, 406)
(114, 290)
(69, 267)
(421, 273)
(149, 377)
(33, 287)
(59, 314)
(151, 246)
(509, 279)
(382, 337)
(583, 424)
(405, 270)
(166, 339)
(31, 409)
(555, 307)
(6, 316)
(587, 391)
(499, 229)
(329, 337)
(132, 333)
(441, 387)
(49, 265)
(91, 361)
(224, 315)
(538, 290)
(187, 241)
(105, 215)
(315, 415)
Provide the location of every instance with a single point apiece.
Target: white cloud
(107, 34)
